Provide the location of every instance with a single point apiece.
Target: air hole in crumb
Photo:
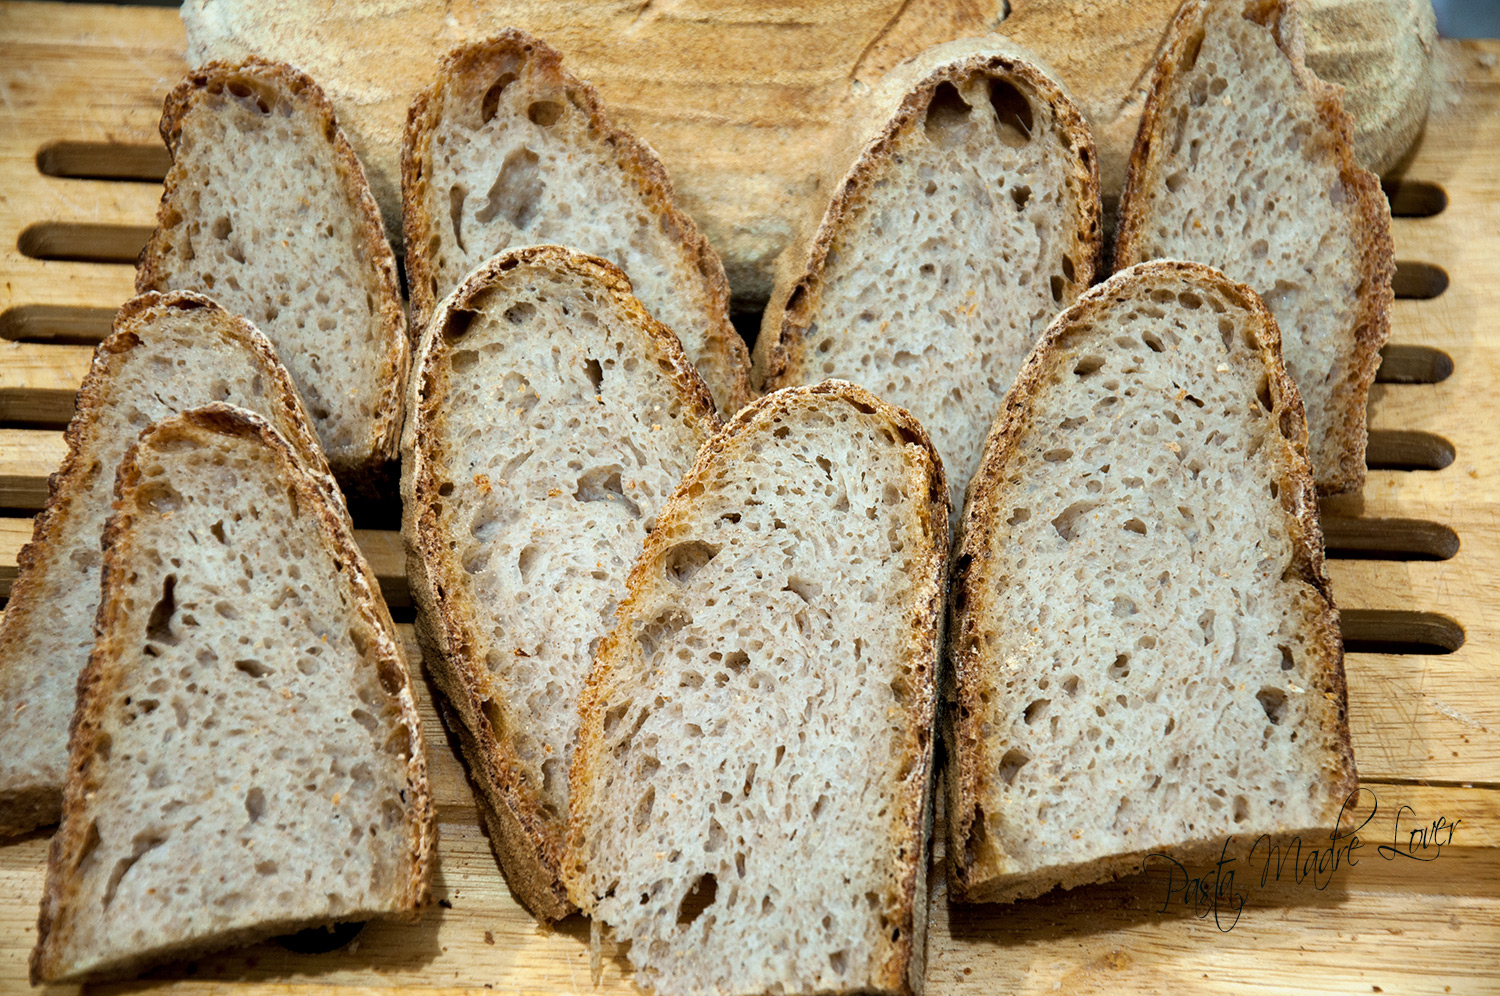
(684, 560)
(947, 115)
(1135, 526)
(1020, 194)
(1273, 701)
(255, 804)
(253, 668)
(544, 113)
(1013, 761)
(1121, 667)
(1286, 658)
(491, 102)
(1013, 113)
(1088, 365)
(1036, 710)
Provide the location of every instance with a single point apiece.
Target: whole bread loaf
(267, 210)
(751, 790)
(1146, 655)
(168, 352)
(962, 227)
(1244, 161)
(550, 419)
(246, 758)
(508, 148)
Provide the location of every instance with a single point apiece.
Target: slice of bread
(751, 790)
(550, 419)
(246, 757)
(508, 148)
(167, 353)
(267, 210)
(1244, 161)
(964, 225)
(1147, 656)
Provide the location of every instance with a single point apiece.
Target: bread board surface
(1415, 568)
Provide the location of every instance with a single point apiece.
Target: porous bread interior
(184, 358)
(758, 722)
(262, 221)
(1249, 182)
(563, 430)
(945, 273)
(1149, 659)
(515, 160)
(256, 766)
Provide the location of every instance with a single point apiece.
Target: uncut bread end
(507, 148)
(1145, 651)
(267, 210)
(751, 791)
(167, 352)
(1244, 161)
(246, 756)
(551, 417)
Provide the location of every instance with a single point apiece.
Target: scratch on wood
(879, 36)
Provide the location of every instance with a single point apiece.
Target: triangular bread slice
(167, 353)
(246, 757)
(967, 222)
(1146, 653)
(1244, 161)
(508, 148)
(550, 419)
(267, 210)
(751, 791)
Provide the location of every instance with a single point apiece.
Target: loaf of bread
(167, 353)
(751, 789)
(1244, 161)
(508, 148)
(550, 419)
(964, 225)
(267, 210)
(1145, 651)
(246, 758)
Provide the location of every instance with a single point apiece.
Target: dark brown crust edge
(1372, 231)
(103, 674)
(526, 843)
(964, 712)
(363, 473)
(900, 972)
(25, 807)
(635, 158)
(779, 361)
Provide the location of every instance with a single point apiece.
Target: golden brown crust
(635, 158)
(1372, 320)
(912, 819)
(105, 671)
(24, 807)
(965, 713)
(363, 475)
(527, 843)
(779, 361)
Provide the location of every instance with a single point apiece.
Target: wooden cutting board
(1415, 568)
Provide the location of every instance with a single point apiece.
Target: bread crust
(779, 352)
(1373, 246)
(527, 844)
(904, 960)
(28, 804)
(970, 875)
(103, 674)
(634, 157)
(363, 475)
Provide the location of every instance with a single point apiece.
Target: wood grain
(1426, 727)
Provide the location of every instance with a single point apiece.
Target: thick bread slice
(167, 353)
(508, 148)
(1145, 649)
(751, 791)
(267, 210)
(246, 757)
(550, 419)
(968, 221)
(1244, 161)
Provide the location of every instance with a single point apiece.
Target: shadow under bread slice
(752, 786)
(550, 418)
(1146, 654)
(167, 353)
(246, 758)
